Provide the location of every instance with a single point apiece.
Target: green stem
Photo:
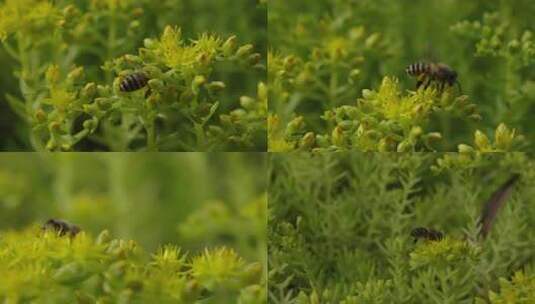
(199, 134)
(151, 137)
(25, 69)
(36, 142)
(11, 51)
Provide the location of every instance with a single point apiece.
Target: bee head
(52, 224)
(452, 77)
(418, 232)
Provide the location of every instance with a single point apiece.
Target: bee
(133, 82)
(496, 201)
(427, 234)
(61, 227)
(488, 215)
(433, 73)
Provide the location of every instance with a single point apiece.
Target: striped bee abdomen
(61, 227)
(418, 68)
(133, 82)
(427, 233)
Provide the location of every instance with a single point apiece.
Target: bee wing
(496, 201)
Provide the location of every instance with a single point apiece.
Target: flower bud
(368, 94)
(248, 103)
(54, 127)
(244, 50)
(134, 25)
(372, 40)
(404, 146)
(229, 46)
(156, 84)
(52, 74)
(415, 132)
(204, 58)
(514, 46)
(132, 58)
(296, 125)
(40, 115)
(104, 237)
(103, 90)
(386, 145)
(215, 130)
(89, 91)
(150, 43)
(90, 124)
(356, 33)
(198, 81)
(307, 141)
(433, 136)
(462, 148)
(237, 114)
(354, 74)
(482, 141)
(76, 75)
(262, 91)
(103, 103)
(216, 86)
(289, 62)
(337, 135)
(254, 59)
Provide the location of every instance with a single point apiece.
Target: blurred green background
(500, 83)
(135, 20)
(189, 199)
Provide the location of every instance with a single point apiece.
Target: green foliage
(325, 56)
(172, 196)
(339, 228)
(520, 289)
(72, 55)
(203, 215)
(42, 267)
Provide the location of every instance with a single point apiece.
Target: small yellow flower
(503, 137)
(219, 266)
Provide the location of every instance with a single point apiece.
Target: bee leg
(427, 83)
(147, 94)
(418, 84)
